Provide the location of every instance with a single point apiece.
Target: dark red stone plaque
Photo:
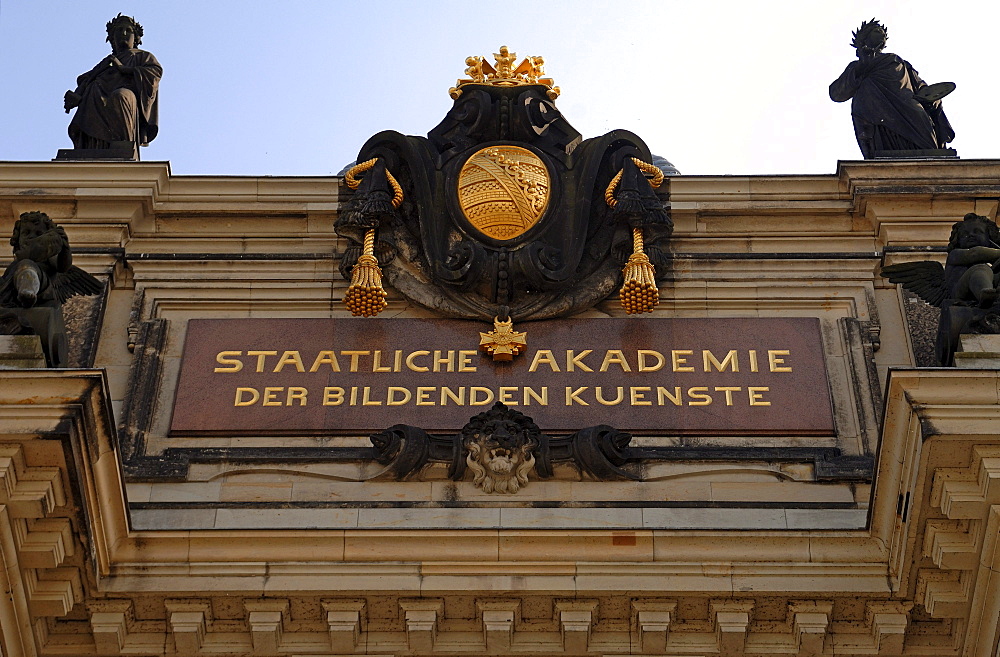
(725, 376)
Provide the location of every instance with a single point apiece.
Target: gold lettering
(223, 358)
(574, 396)
(448, 360)
(414, 367)
(354, 395)
(731, 359)
(366, 399)
(465, 360)
(397, 361)
(327, 358)
(756, 399)
(458, 399)
(355, 356)
(753, 361)
(298, 394)
(391, 399)
(473, 401)
(662, 395)
(660, 361)
(699, 393)
(575, 360)
(423, 396)
(599, 392)
(271, 396)
(773, 360)
(377, 365)
(261, 355)
(505, 396)
(543, 399)
(290, 357)
(615, 356)
(543, 356)
(678, 361)
(638, 395)
(246, 402)
(333, 396)
(729, 390)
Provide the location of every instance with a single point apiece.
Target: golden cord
(645, 167)
(353, 182)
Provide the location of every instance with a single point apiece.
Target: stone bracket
(810, 622)
(422, 616)
(43, 543)
(888, 621)
(576, 620)
(500, 617)
(651, 620)
(28, 492)
(266, 619)
(345, 619)
(732, 622)
(188, 621)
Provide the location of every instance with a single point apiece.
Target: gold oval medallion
(503, 190)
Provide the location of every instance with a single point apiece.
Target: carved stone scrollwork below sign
(500, 447)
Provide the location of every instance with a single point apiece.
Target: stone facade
(119, 538)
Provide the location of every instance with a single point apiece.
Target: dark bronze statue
(35, 286)
(116, 100)
(965, 288)
(895, 112)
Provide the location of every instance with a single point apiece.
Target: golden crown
(504, 74)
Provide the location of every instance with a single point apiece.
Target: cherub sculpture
(41, 278)
(965, 289)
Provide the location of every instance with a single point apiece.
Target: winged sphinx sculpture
(34, 287)
(965, 288)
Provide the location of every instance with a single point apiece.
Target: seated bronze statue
(116, 100)
(35, 286)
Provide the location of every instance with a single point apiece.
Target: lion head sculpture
(500, 443)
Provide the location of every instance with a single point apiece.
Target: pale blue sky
(296, 87)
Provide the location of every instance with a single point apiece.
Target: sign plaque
(655, 376)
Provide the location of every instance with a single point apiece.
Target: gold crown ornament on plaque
(504, 73)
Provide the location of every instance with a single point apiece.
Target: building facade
(124, 533)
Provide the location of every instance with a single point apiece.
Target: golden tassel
(366, 296)
(639, 293)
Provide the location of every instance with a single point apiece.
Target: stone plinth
(978, 352)
(19, 352)
(118, 150)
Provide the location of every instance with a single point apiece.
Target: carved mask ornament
(499, 449)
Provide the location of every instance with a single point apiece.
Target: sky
(295, 88)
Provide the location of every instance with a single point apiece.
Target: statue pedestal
(118, 150)
(980, 352)
(935, 153)
(19, 352)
